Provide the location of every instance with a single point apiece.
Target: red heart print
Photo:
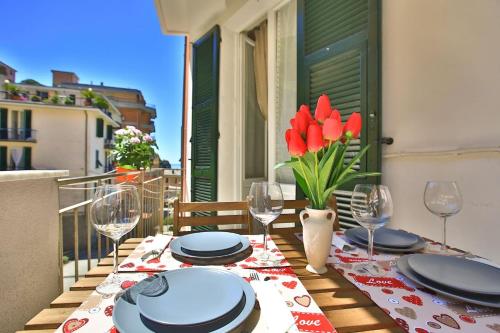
(304, 300)
(387, 291)
(185, 265)
(128, 265)
(113, 330)
(108, 311)
(421, 330)
(290, 284)
(73, 324)
(149, 241)
(258, 246)
(230, 265)
(467, 319)
(403, 324)
(413, 299)
(250, 259)
(127, 284)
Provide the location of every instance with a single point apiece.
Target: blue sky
(118, 42)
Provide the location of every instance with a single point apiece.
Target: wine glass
(265, 201)
(443, 198)
(371, 206)
(115, 211)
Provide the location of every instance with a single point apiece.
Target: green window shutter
(109, 132)
(3, 123)
(205, 131)
(26, 159)
(338, 54)
(205, 119)
(99, 127)
(3, 158)
(27, 124)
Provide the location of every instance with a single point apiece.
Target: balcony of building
(18, 134)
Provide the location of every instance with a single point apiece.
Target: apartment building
(130, 102)
(52, 128)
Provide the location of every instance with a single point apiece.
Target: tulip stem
(307, 182)
(317, 179)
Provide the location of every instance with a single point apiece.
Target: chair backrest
(289, 220)
(237, 215)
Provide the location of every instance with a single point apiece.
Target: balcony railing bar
(151, 191)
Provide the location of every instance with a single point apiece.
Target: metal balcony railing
(18, 134)
(74, 218)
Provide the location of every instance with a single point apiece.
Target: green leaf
(326, 169)
(354, 160)
(357, 176)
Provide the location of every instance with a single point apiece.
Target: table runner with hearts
(414, 308)
(134, 262)
(95, 314)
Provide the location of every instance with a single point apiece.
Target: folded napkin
(340, 243)
(275, 314)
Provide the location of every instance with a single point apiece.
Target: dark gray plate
(457, 273)
(389, 237)
(127, 319)
(177, 248)
(210, 243)
(194, 296)
(480, 299)
(351, 235)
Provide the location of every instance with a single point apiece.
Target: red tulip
(314, 138)
(336, 115)
(300, 123)
(296, 145)
(323, 109)
(332, 129)
(306, 111)
(287, 135)
(352, 127)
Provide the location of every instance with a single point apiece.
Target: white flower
(135, 140)
(147, 138)
(121, 131)
(130, 128)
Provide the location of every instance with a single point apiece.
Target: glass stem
(266, 231)
(444, 247)
(115, 256)
(371, 233)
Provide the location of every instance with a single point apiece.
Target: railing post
(61, 260)
(75, 235)
(162, 202)
(141, 198)
(89, 233)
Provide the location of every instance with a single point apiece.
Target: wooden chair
(293, 217)
(183, 215)
(183, 218)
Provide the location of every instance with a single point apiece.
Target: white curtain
(17, 155)
(286, 87)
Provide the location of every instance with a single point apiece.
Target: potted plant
(101, 103)
(133, 150)
(89, 95)
(54, 99)
(36, 98)
(317, 146)
(13, 91)
(68, 101)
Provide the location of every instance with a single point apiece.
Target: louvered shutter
(338, 54)
(99, 127)
(3, 158)
(27, 124)
(205, 129)
(3, 124)
(26, 160)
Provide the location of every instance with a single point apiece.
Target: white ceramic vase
(317, 230)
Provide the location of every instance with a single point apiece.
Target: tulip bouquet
(317, 146)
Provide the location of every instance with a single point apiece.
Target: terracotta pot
(317, 229)
(127, 178)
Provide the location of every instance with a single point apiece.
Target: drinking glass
(443, 198)
(265, 201)
(371, 206)
(115, 211)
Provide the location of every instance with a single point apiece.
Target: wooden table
(347, 307)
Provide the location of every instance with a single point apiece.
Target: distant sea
(175, 165)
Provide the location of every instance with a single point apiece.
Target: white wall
(440, 88)
(29, 252)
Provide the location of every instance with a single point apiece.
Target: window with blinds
(99, 127)
(338, 54)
